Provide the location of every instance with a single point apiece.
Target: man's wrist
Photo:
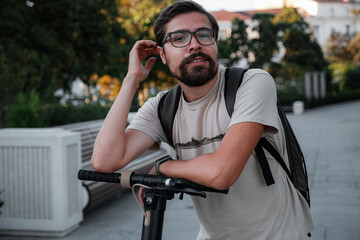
(160, 161)
(131, 80)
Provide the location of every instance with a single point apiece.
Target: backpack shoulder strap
(233, 79)
(272, 150)
(167, 109)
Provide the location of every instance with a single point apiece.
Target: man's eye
(204, 35)
(178, 38)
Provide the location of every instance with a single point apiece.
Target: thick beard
(198, 75)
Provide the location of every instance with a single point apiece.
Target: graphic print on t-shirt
(194, 143)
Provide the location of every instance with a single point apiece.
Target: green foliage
(45, 45)
(138, 19)
(289, 16)
(338, 71)
(352, 78)
(266, 45)
(30, 113)
(354, 48)
(336, 47)
(336, 97)
(301, 51)
(68, 38)
(235, 47)
(57, 114)
(290, 91)
(302, 54)
(288, 29)
(343, 51)
(26, 112)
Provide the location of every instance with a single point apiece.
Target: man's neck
(192, 94)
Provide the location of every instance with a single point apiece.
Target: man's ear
(161, 52)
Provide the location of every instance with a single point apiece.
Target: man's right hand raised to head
(115, 146)
(140, 51)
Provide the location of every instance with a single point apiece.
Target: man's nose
(194, 44)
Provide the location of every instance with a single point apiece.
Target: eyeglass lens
(183, 38)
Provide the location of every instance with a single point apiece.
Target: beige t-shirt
(251, 210)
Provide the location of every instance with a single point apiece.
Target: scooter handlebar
(146, 179)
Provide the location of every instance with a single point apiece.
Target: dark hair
(175, 9)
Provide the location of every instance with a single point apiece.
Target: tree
(353, 48)
(342, 50)
(336, 47)
(45, 45)
(302, 52)
(352, 78)
(235, 48)
(138, 18)
(266, 45)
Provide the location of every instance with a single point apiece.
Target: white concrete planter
(38, 180)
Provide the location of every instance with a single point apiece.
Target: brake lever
(192, 192)
(189, 191)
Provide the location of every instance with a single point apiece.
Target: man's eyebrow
(187, 30)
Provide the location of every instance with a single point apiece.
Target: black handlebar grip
(96, 176)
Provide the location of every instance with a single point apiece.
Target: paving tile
(348, 233)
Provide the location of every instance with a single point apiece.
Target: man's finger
(150, 63)
(147, 52)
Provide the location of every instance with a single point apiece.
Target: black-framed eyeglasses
(182, 38)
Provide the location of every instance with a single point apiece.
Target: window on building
(347, 31)
(316, 32)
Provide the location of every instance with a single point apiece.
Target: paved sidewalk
(329, 137)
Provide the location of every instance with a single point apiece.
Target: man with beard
(221, 154)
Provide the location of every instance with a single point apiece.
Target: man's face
(195, 64)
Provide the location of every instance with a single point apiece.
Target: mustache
(195, 55)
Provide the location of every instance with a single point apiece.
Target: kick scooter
(159, 189)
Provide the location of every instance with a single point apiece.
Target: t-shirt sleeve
(256, 101)
(147, 121)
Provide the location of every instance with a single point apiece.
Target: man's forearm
(110, 144)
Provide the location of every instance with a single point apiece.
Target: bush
(338, 71)
(352, 78)
(290, 91)
(346, 95)
(26, 112)
(59, 115)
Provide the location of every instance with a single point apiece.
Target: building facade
(323, 16)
